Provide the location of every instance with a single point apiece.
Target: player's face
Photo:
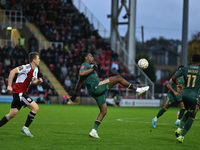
(37, 60)
(90, 58)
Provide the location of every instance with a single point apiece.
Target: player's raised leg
(118, 79)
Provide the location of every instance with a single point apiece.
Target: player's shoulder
(84, 65)
(24, 67)
(27, 66)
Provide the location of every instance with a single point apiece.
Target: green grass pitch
(58, 127)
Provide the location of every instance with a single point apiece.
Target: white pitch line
(141, 122)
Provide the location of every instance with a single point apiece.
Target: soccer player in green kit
(98, 88)
(173, 95)
(190, 95)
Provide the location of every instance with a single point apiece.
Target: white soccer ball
(143, 63)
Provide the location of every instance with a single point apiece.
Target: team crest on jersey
(20, 68)
(82, 66)
(28, 99)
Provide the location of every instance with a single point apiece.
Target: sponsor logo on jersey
(20, 68)
(82, 66)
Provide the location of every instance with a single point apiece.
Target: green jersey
(91, 80)
(191, 75)
(180, 80)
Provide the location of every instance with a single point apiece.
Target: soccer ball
(143, 63)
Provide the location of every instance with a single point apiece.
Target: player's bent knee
(35, 109)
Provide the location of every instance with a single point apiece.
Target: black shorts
(19, 100)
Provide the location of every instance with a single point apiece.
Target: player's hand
(73, 98)
(95, 67)
(9, 89)
(40, 81)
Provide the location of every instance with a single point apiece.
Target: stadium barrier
(91, 101)
(8, 99)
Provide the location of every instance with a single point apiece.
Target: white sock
(155, 119)
(25, 127)
(93, 130)
(138, 90)
(178, 120)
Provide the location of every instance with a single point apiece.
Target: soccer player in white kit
(26, 74)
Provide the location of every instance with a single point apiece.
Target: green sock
(185, 118)
(181, 113)
(132, 87)
(96, 124)
(187, 126)
(161, 112)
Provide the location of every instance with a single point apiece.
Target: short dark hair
(195, 58)
(83, 56)
(32, 55)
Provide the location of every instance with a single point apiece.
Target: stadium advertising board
(136, 102)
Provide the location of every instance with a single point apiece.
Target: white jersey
(25, 77)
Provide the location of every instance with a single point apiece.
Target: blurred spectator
(43, 55)
(48, 95)
(115, 65)
(117, 99)
(68, 82)
(32, 43)
(114, 68)
(64, 69)
(7, 62)
(21, 40)
(57, 71)
(3, 87)
(40, 90)
(65, 99)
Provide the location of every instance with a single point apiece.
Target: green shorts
(191, 102)
(99, 93)
(171, 98)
